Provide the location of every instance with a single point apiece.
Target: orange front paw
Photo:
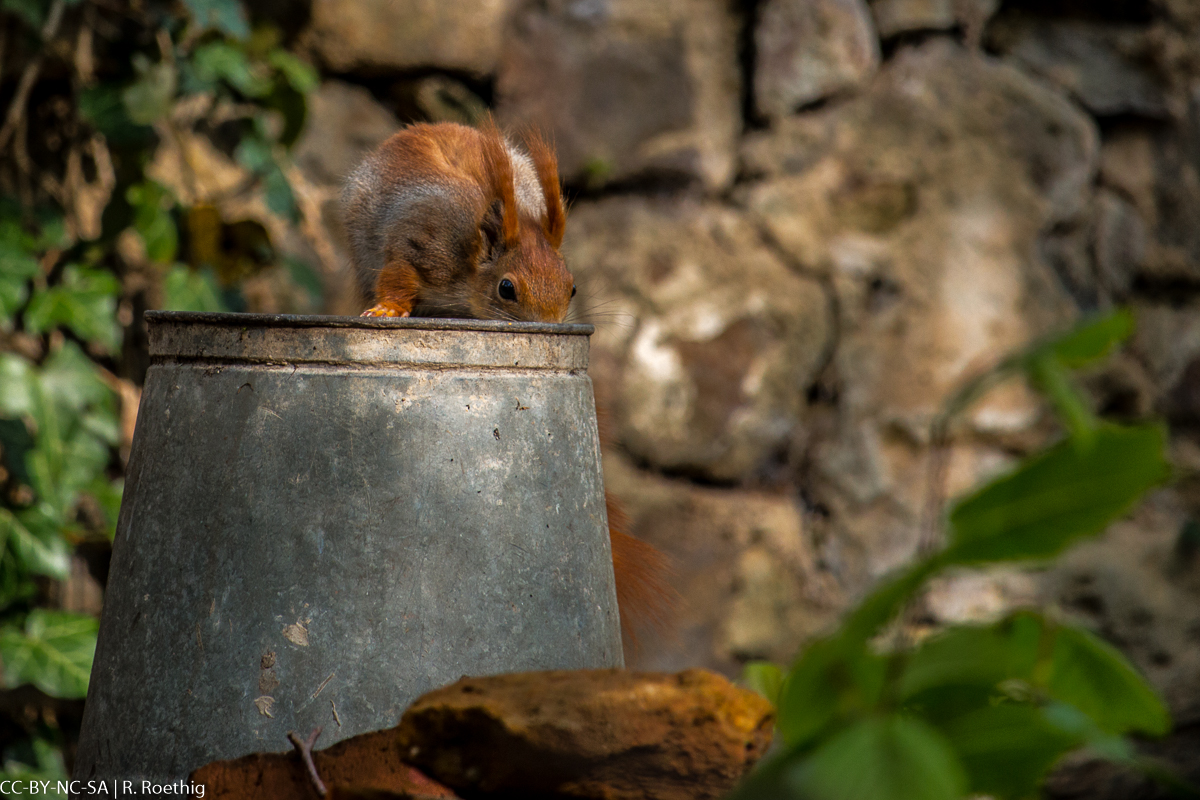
(385, 310)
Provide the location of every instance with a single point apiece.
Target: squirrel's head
(524, 280)
(520, 274)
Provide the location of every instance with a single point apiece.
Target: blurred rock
(1127, 166)
(923, 201)
(344, 123)
(979, 597)
(626, 88)
(714, 337)
(589, 734)
(810, 49)
(374, 35)
(745, 565)
(903, 16)
(1167, 341)
(1120, 243)
(1174, 255)
(370, 762)
(1107, 67)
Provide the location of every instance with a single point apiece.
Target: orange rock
(365, 766)
(606, 734)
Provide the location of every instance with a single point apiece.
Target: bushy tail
(644, 593)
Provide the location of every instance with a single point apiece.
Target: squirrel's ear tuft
(542, 153)
(498, 177)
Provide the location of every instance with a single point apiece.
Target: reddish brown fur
(499, 174)
(547, 170)
(444, 201)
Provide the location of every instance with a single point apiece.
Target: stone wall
(799, 224)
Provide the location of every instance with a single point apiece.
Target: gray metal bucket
(326, 517)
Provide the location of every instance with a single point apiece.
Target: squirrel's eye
(572, 290)
(507, 290)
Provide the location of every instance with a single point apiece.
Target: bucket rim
(242, 319)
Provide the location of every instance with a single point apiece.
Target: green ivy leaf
(889, 758)
(186, 289)
(44, 764)
(149, 97)
(765, 678)
(70, 378)
(16, 386)
(254, 154)
(299, 74)
(54, 652)
(36, 542)
(1092, 675)
(227, 16)
(108, 495)
(1071, 491)
(223, 61)
(1007, 749)
(280, 199)
(103, 106)
(153, 221)
(17, 266)
(85, 301)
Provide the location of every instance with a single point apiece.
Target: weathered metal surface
(326, 517)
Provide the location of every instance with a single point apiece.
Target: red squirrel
(449, 221)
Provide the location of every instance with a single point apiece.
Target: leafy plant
(979, 709)
(68, 290)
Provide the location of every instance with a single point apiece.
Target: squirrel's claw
(384, 310)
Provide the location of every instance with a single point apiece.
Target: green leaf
(103, 106)
(54, 652)
(765, 678)
(1048, 375)
(43, 763)
(1093, 676)
(976, 656)
(254, 154)
(298, 73)
(153, 220)
(186, 289)
(223, 61)
(85, 301)
(227, 16)
(36, 542)
(1091, 341)
(17, 378)
(108, 495)
(1071, 491)
(17, 266)
(1007, 749)
(71, 379)
(886, 600)
(149, 97)
(832, 679)
(890, 758)
(280, 199)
